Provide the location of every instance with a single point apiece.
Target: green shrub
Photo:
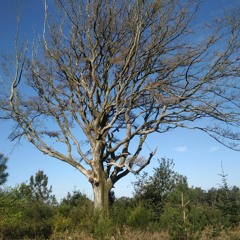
(13, 218)
(24, 218)
(121, 210)
(139, 217)
(103, 227)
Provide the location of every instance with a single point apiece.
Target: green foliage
(228, 202)
(121, 210)
(61, 223)
(3, 168)
(30, 211)
(154, 190)
(27, 210)
(139, 217)
(102, 226)
(75, 199)
(13, 224)
(21, 218)
(183, 216)
(37, 189)
(77, 207)
(111, 197)
(74, 212)
(185, 212)
(39, 217)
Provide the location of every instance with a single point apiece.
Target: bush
(121, 210)
(139, 217)
(24, 218)
(103, 227)
(13, 218)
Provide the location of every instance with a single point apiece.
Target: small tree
(228, 202)
(154, 190)
(108, 73)
(187, 213)
(37, 189)
(39, 204)
(3, 168)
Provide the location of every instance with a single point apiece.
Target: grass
(127, 233)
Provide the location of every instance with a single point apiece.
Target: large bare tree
(107, 73)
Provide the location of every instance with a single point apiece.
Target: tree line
(162, 203)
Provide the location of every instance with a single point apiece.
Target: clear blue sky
(195, 154)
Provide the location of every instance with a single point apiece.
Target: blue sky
(195, 154)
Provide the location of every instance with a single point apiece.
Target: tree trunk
(101, 183)
(101, 196)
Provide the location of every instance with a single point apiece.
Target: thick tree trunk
(101, 183)
(101, 196)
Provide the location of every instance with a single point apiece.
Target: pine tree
(3, 168)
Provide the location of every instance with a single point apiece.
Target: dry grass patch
(124, 234)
